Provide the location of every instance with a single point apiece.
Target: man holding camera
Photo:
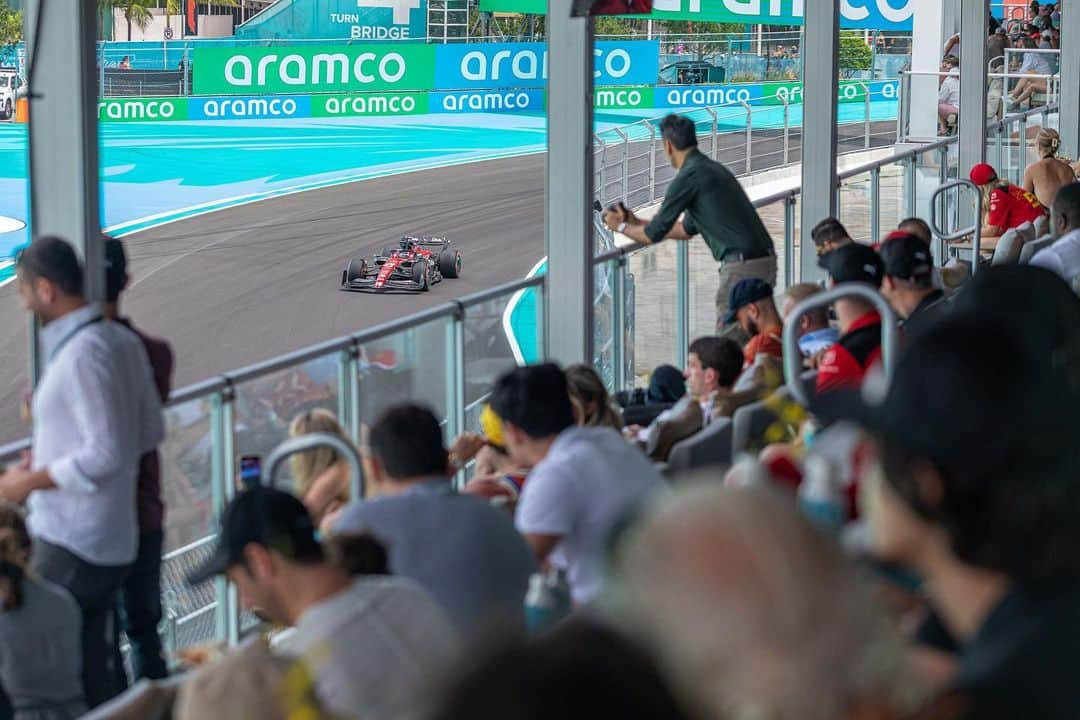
(712, 203)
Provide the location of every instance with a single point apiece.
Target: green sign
(623, 98)
(313, 69)
(369, 104)
(142, 109)
(863, 14)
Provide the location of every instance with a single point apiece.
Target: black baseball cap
(979, 389)
(744, 292)
(272, 518)
(115, 267)
(854, 262)
(906, 257)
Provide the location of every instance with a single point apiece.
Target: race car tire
(421, 275)
(450, 263)
(356, 270)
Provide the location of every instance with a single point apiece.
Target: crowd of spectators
(949, 586)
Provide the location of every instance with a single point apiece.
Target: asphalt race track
(237, 286)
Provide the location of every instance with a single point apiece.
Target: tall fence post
(911, 191)
(625, 164)
(187, 70)
(875, 205)
(618, 325)
(749, 136)
(715, 132)
(652, 160)
(789, 240)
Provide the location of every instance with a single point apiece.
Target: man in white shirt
(949, 95)
(96, 412)
(583, 479)
(1063, 257)
(375, 643)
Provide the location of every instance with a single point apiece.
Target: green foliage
(855, 54)
(11, 26)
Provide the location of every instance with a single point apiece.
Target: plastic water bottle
(822, 494)
(548, 600)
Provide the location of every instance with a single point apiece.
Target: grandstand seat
(1008, 248)
(749, 423)
(1035, 246)
(709, 448)
(1042, 226)
(1027, 231)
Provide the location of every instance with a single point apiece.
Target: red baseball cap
(983, 173)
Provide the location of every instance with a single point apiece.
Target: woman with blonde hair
(40, 633)
(321, 475)
(1050, 173)
(1005, 206)
(592, 405)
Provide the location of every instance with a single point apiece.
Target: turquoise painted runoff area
(162, 171)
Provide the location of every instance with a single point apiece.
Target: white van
(9, 82)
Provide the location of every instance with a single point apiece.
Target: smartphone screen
(250, 471)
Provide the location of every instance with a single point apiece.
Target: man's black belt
(746, 255)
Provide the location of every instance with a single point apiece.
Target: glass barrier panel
(264, 409)
(892, 197)
(605, 323)
(500, 334)
(409, 366)
(774, 217)
(854, 206)
(655, 305)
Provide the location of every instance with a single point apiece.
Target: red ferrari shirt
(1013, 206)
(844, 365)
(767, 342)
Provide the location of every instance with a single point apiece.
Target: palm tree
(134, 12)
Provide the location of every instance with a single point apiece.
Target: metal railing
(215, 419)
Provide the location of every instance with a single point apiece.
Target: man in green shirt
(712, 203)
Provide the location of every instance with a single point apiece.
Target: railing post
(787, 128)
(682, 303)
(789, 240)
(618, 323)
(875, 205)
(911, 189)
(652, 160)
(187, 70)
(223, 487)
(715, 133)
(455, 381)
(901, 110)
(999, 149)
(349, 391)
(1021, 147)
(101, 70)
(749, 136)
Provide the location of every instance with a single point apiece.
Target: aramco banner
(861, 14)
(350, 68)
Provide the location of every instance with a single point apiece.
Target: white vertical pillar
(821, 72)
(974, 28)
(569, 196)
(927, 39)
(1069, 103)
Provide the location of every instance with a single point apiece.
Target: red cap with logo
(983, 173)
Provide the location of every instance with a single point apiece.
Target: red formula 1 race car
(415, 264)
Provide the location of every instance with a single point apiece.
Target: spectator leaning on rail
(96, 414)
(713, 366)
(1050, 173)
(583, 479)
(1063, 257)
(459, 548)
(967, 470)
(846, 363)
(40, 632)
(908, 283)
(713, 203)
(1005, 206)
(142, 589)
(815, 333)
(372, 641)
